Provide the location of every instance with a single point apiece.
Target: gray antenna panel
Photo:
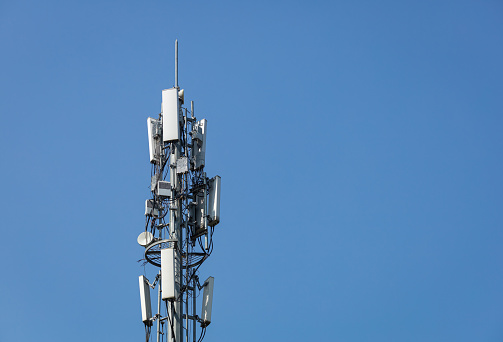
(207, 301)
(154, 149)
(214, 201)
(196, 216)
(199, 144)
(170, 115)
(146, 309)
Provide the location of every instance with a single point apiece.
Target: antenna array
(180, 219)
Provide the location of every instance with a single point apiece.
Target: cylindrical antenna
(176, 63)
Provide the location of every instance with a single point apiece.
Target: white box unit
(149, 209)
(170, 115)
(146, 309)
(163, 189)
(170, 268)
(182, 165)
(207, 301)
(214, 201)
(154, 136)
(198, 144)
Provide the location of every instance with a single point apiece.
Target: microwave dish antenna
(145, 239)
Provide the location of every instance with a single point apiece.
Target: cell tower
(180, 220)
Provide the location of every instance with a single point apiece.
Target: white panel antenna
(207, 301)
(198, 144)
(154, 136)
(214, 201)
(146, 310)
(170, 262)
(170, 115)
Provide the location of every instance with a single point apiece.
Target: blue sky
(359, 145)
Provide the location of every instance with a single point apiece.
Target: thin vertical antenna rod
(176, 63)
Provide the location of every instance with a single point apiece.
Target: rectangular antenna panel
(170, 264)
(154, 137)
(146, 310)
(170, 115)
(207, 301)
(198, 144)
(214, 201)
(196, 216)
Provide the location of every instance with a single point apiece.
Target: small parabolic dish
(145, 238)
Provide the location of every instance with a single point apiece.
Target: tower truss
(180, 219)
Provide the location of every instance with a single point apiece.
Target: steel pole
(175, 212)
(159, 308)
(194, 309)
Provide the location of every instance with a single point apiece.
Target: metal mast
(180, 219)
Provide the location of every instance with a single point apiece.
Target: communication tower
(180, 218)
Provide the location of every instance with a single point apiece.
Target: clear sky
(359, 144)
